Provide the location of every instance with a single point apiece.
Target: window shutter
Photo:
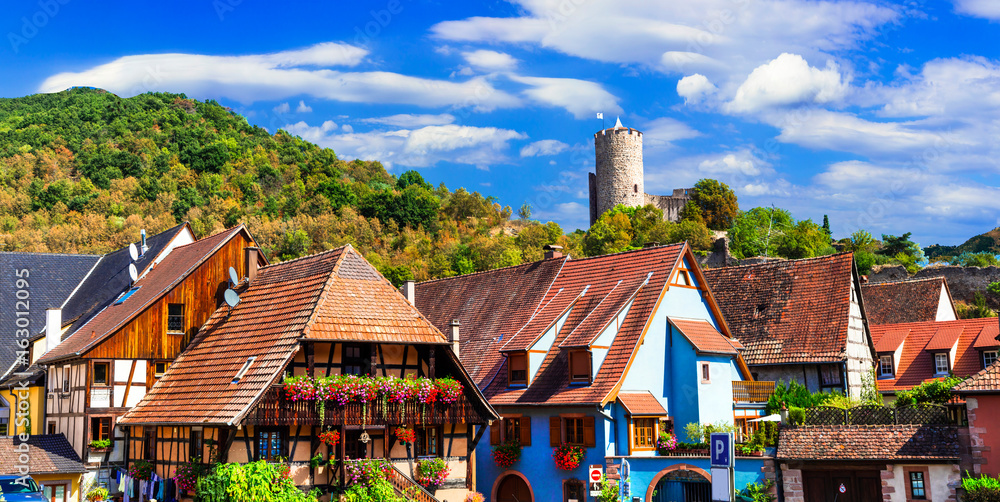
(589, 439)
(525, 431)
(555, 431)
(495, 432)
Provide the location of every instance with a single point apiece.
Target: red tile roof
(484, 304)
(987, 338)
(492, 307)
(47, 454)
(905, 301)
(789, 311)
(916, 363)
(705, 338)
(641, 403)
(891, 340)
(160, 280)
(335, 295)
(987, 381)
(944, 338)
(869, 442)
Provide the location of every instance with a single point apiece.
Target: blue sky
(883, 115)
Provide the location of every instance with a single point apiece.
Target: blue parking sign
(721, 447)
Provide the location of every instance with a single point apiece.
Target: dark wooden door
(513, 489)
(860, 486)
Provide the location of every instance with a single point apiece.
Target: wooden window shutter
(525, 431)
(495, 432)
(589, 437)
(555, 431)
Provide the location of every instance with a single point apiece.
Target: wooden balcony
(408, 488)
(276, 409)
(752, 392)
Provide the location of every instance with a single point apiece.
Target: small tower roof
(618, 124)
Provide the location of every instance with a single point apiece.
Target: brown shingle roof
(705, 338)
(335, 295)
(491, 306)
(986, 381)
(867, 442)
(902, 302)
(916, 363)
(641, 403)
(47, 454)
(160, 280)
(790, 311)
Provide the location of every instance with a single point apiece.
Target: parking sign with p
(721, 446)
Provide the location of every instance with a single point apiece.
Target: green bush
(934, 392)
(254, 482)
(797, 395)
(981, 489)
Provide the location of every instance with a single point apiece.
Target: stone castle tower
(619, 176)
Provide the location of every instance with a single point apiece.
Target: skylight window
(126, 294)
(244, 369)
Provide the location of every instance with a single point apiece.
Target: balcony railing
(745, 391)
(276, 409)
(407, 488)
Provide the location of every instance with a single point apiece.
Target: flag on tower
(600, 115)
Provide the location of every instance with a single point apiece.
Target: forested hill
(83, 170)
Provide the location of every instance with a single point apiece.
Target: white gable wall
(859, 355)
(946, 309)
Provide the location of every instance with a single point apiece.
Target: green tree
(412, 177)
(611, 234)
(757, 232)
(826, 225)
(717, 203)
(396, 275)
(805, 239)
(524, 212)
(977, 310)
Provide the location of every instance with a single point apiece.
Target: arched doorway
(512, 488)
(680, 483)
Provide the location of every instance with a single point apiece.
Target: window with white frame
(885, 368)
(989, 357)
(941, 363)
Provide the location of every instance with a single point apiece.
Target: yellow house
(22, 398)
(52, 463)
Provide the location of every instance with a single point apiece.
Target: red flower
(568, 457)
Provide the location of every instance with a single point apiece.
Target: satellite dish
(234, 278)
(132, 272)
(231, 298)
(133, 251)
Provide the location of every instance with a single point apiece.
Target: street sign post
(723, 461)
(594, 478)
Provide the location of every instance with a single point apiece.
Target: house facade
(800, 320)
(921, 300)
(112, 357)
(51, 462)
(598, 353)
(326, 315)
(981, 393)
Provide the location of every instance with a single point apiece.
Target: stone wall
(619, 168)
(963, 282)
(671, 205)
(791, 480)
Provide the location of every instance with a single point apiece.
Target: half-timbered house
(114, 356)
(323, 315)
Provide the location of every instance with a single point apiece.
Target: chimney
(251, 254)
(454, 336)
(53, 328)
(552, 251)
(410, 292)
(144, 248)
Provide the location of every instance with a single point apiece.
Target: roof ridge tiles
(564, 259)
(293, 260)
(631, 251)
(784, 261)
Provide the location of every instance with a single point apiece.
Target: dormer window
(941, 366)
(989, 357)
(885, 367)
(517, 368)
(579, 366)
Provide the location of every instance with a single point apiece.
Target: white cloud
(988, 9)
(738, 163)
(423, 147)
(955, 87)
(347, 128)
(490, 60)
(693, 88)
(543, 147)
(788, 80)
(282, 108)
(664, 131)
(281, 75)
(303, 107)
(411, 121)
(827, 130)
(718, 38)
(579, 97)
(571, 215)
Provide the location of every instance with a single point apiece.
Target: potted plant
(141, 470)
(98, 493)
(666, 443)
(750, 450)
(697, 449)
(330, 437)
(406, 436)
(568, 457)
(506, 454)
(431, 473)
(100, 445)
(475, 497)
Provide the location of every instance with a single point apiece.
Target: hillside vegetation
(83, 170)
(988, 242)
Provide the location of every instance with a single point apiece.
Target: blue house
(603, 353)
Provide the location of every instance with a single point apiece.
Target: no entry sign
(595, 473)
